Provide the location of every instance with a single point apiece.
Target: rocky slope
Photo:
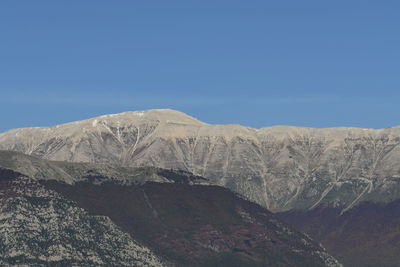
(99, 222)
(39, 227)
(281, 167)
(70, 173)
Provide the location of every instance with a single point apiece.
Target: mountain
(281, 168)
(58, 213)
(305, 175)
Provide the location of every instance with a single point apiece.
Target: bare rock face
(281, 167)
(39, 227)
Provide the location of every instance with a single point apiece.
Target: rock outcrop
(39, 227)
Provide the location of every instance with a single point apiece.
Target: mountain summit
(280, 167)
(326, 182)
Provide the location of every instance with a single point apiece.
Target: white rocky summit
(280, 167)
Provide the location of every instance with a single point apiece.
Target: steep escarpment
(281, 167)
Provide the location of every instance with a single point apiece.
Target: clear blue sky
(256, 63)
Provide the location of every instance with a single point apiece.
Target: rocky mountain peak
(280, 167)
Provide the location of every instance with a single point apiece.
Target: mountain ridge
(279, 167)
(71, 173)
(174, 111)
(300, 173)
(47, 222)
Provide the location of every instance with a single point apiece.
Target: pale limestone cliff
(280, 167)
